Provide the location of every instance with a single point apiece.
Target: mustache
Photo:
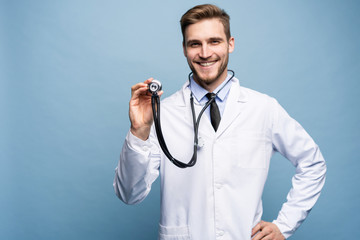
(206, 60)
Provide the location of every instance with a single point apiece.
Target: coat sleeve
(294, 143)
(137, 169)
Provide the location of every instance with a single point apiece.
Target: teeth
(205, 64)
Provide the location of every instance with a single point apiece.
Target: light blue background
(66, 69)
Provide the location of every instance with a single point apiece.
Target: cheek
(188, 58)
(190, 53)
(222, 51)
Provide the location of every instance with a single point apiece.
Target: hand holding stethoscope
(144, 108)
(140, 110)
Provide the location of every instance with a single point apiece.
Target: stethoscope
(154, 88)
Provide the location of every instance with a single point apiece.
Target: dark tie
(214, 112)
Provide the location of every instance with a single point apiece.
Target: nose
(205, 51)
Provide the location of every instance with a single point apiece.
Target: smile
(207, 64)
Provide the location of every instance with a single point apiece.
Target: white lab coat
(220, 197)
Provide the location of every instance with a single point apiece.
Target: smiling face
(207, 51)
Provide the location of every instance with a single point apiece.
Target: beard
(207, 80)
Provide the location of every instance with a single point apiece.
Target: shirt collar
(199, 92)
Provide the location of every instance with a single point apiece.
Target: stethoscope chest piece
(201, 142)
(154, 86)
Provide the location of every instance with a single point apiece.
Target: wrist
(141, 132)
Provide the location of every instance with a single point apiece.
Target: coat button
(220, 233)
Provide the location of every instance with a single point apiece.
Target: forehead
(205, 29)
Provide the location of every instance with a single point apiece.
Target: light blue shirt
(199, 94)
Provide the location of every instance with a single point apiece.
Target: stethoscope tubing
(155, 103)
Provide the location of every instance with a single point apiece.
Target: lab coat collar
(237, 96)
(236, 90)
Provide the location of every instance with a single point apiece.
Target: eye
(194, 44)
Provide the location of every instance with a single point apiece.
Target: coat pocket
(247, 150)
(174, 233)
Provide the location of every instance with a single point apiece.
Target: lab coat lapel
(184, 101)
(233, 107)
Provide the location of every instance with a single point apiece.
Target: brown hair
(205, 11)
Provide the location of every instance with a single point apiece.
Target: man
(219, 197)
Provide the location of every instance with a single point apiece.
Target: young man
(219, 197)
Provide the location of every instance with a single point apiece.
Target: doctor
(219, 197)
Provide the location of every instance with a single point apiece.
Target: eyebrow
(210, 39)
(189, 42)
(216, 39)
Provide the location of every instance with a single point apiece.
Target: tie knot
(210, 95)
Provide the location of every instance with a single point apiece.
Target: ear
(184, 49)
(231, 44)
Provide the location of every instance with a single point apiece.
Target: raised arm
(139, 162)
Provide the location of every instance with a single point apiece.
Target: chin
(208, 78)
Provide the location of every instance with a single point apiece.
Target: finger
(148, 80)
(139, 89)
(268, 237)
(137, 86)
(263, 234)
(259, 235)
(266, 232)
(141, 84)
(255, 229)
(160, 93)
